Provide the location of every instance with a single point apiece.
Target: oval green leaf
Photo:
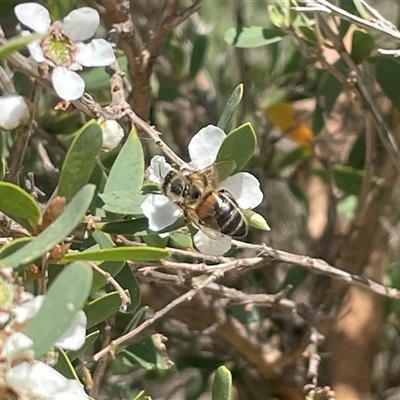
(123, 202)
(200, 44)
(120, 254)
(128, 281)
(127, 172)
(253, 36)
(238, 146)
(387, 72)
(65, 298)
(124, 227)
(80, 160)
(100, 309)
(55, 232)
(231, 105)
(362, 45)
(19, 205)
(222, 386)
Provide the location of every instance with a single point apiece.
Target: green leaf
(181, 240)
(362, 46)
(102, 308)
(64, 365)
(60, 8)
(222, 386)
(146, 354)
(238, 146)
(254, 36)
(128, 281)
(18, 43)
(124, 227)
(200, 43)
(64, 299)
(55, 232)
(256, 220)
(14, 246)
(330, 88)
(297, 155)
(387, 72)
(123, 202)
(231, 106)
(80, 160)
(347, 179)
(120, 254)
(16, 203)
(127, 172)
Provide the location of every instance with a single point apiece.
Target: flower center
(58, 49)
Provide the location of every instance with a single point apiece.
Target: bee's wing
(214, 174)
(212, 232)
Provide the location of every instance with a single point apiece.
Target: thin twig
(125, 300)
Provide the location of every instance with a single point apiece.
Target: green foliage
(145, 354)
(64, 299)
(200, 44)
(119, 254)
(238, 146)
(80, 160)
(19, 205)
(222, 386)
(362, 46)
(251, 37)
(102, 308)
(122, 191)
(55, 232)
(231, 105)
(16, 44)
(387, 69)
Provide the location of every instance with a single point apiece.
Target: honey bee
(211, 210)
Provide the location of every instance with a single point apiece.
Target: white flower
(14, 112)
(63, 47)
(203, 150)
(72, 339)
(41, 381)
(16, 345)
(112, 134)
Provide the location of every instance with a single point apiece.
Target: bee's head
(174, 185)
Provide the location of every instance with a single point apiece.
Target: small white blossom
(40, 381)
(63, 47)
(16, 345)
(14, 112)
(203, 150)
(112, 134)
(72, 339)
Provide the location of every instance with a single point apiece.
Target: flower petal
(14, 112)
(28, 309)
(34, 16)
(38, 378)
(160, 211)
(212, 247)
(97, 53)
(36, 51)
(158, 169)
(16, 344)
(204, 146)
(81, 24)
(112, 134)
(67, 84)
(74, 337)
(245, 188)
(73, 390)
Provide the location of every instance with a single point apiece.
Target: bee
(212, 211)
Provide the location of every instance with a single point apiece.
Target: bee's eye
(177, 187)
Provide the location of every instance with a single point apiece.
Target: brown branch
(125, 300)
